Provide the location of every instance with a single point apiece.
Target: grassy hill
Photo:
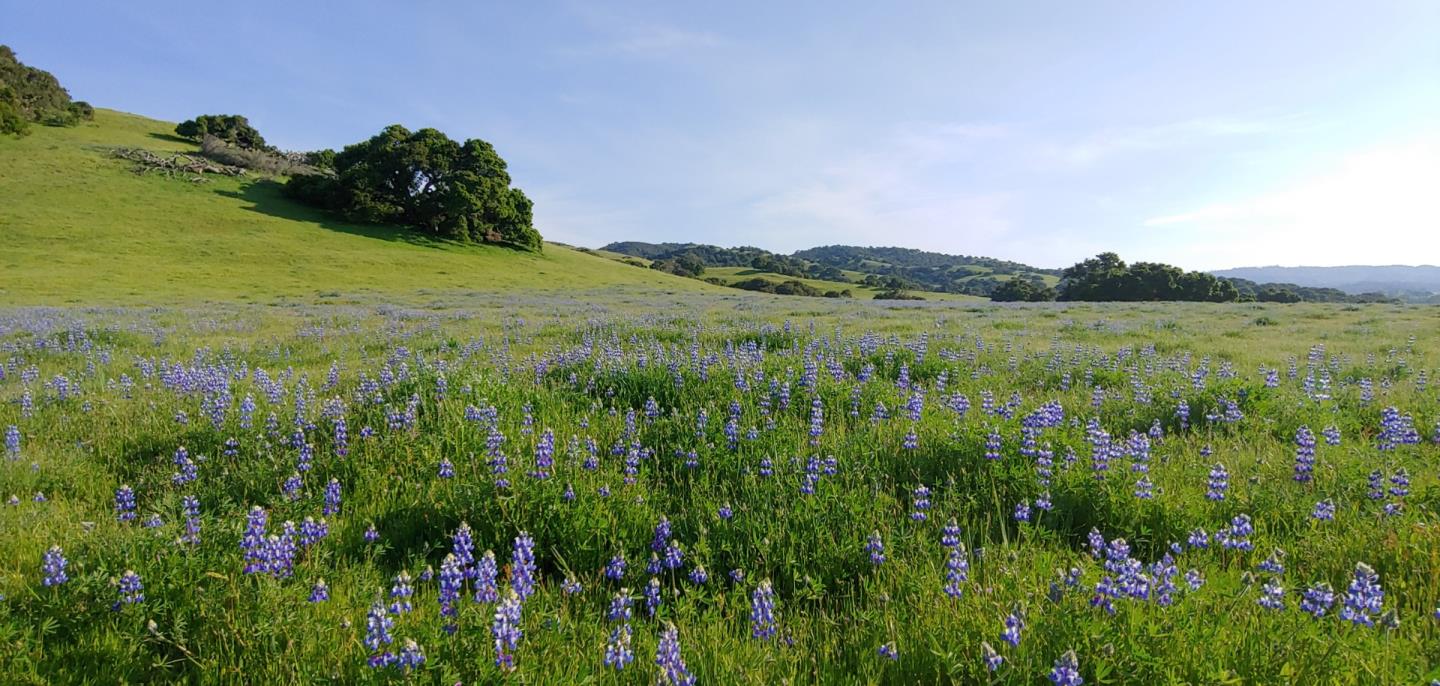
(79, 227)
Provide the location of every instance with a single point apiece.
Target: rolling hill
(79, 227)
(919, 270)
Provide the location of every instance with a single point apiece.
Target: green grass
(80, 228)
(578, 368)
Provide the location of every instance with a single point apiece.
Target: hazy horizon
(1210, 136)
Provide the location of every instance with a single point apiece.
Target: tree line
(1106, 277)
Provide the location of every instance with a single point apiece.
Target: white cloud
(894, 191)
(1371, 206)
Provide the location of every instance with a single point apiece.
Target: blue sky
(1204, 134)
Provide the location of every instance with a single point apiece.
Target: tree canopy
(230, 128)
(1107, 277)
(1022, 290)
(31, 95)
(423, 179)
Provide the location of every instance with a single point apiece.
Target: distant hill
(932, 270)
(1394, 280)
(877, 267)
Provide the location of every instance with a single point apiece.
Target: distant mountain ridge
(1396, 280)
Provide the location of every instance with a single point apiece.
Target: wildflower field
(721, 490)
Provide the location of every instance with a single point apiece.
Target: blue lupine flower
(130, 589)
(876, 548)
(411, 656)
(253, 542)
(447, 469)
(506, 630)
(617, 650)
(1066, 671)
(1096, 543)
(486, 574)
(950, 534)
(992, 446)
(992, 659)
(652, 596)
(662, 535)
(12, 441)
(1013, 625)
(400, 594)
(311, 531)
(186, 468)
(544, 455)
(888, 651)
(674, 557)
(377, 634)
(1364, 597)
(125, 504)
(921, 500)
(1304, 454)
(462, 545)
(1194, 579)
(1332, 435)
(762, 611)
(667, 657)
(1272, 595)
(1022, 511)
(698, 575)
(522, 566)
(1274, 564)
(1237, 535)
(332, 498)
(1219, 482)
(1317, 599)
(52, 565)
(724, 512)
(1324, 510)
(615, 569)
(1144, 488)
(957, 568)
(292, 486)
(319, 593)
(620, 607)
(452, 578)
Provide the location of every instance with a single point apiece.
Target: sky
(1203, 134)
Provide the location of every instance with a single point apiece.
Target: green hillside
(80, 227)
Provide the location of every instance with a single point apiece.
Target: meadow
(720, 489)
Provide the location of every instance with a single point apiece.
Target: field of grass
(737, 274)
(80, 228)
(816, 449)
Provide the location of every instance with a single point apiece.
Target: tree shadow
(265, 196)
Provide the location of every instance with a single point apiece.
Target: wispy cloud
(662, 40)
(1094, 147)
